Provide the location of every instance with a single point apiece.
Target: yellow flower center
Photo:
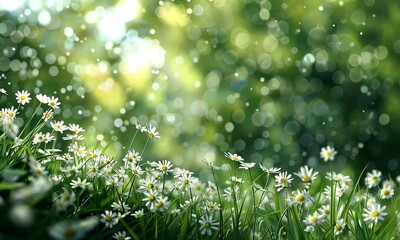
(159, 204)
(375, 214)
(338, 227)
(385, 192)
(108, 219)
(164, 168)
(374, 179)
(152, 198)
(150, 186)
(186, 181)
(23, 97)
(306, 179)
(313, 219)
(300, 198)
(207, 225)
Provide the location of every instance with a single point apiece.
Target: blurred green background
(273, 81)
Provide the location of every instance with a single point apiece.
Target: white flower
(149, 183)
(58, 126)
(47, 115)
(162, 204)
(79, 183)
(325, 210)
(42, 98)
(313, 219)
(229, 193)
(38, 138)
(306, 175)
(121, 236)
(152, 132)
(373, 178)
(233, 157)
(374, 213)
(247, 166)
(109, 218)
(299, 197)
(151, 199)
(10, 113)
(207, 224)
(132, 157)
(120, 206)
(23, 97)
(75, 128)
(53, 102)
(387, 192)
(283, 180)
(272, 170)
(3, 91)
(339, 227)
(164, 166)
(138, 213)
(328, 153)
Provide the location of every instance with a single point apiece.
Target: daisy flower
(207, 224)
(246, 166)
(152, 132)
(328, 153)
(299, 197)
(75, 128)
(138, 213)
(121, 236)
(229, 193)
(140, 127)
(53, 102)
(234, 157)
(374, 213)
(23, 97)
(164, 166)
(306, 175)
(79, 183)
(58, 126)
(283, 180)
(339, 227)
(387, 192)
(120, 206)
(313, 219)
(132, 157)
(42, 98)
(150, 199)
(373, 178)
(186, 179)
(272, 170)
(162, 204)
(109, 218)
(38, 138)
(48, 138)
(47, 115)
(149, 183)
(10, 113)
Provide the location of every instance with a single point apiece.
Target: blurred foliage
(271, 80)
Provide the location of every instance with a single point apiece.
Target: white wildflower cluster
(89, 187)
